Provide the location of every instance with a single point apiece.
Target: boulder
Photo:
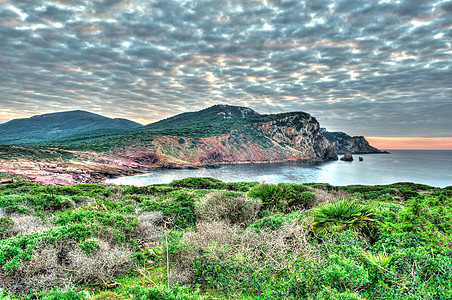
(347, 156)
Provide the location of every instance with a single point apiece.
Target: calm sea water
(431, 167)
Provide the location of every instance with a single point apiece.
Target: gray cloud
(364, 67)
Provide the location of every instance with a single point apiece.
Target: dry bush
(100, 266)
(231, 207)
(213, 235)
(26, 224)
(323, 196)
(64, 264)
(219, 233)
(44, 270)
(150, 228)
(280, 249)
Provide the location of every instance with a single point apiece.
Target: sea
(430, 167)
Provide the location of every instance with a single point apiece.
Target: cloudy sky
(373, 68)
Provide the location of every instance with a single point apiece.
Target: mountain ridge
(217, 134)
(51, 126)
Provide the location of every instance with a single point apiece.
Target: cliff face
(355, 144)
(271, 138)
(298, 131)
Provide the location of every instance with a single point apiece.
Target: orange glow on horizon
(411, 143)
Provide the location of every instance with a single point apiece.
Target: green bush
(341, 272)
(332, 294)
(34, 204)
(163, 293)
(88, 246)
(198, 183)
(270, 194)
(282, 196)
(180, 214)
(343, 214)
(3, 296)
(108, 295)
(269, 223)
(61, 295)
(212, 183)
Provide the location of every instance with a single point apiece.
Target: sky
(372, 68)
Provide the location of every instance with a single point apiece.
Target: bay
(431, 167)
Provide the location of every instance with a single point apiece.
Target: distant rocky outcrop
(342, 142)
(347, 156)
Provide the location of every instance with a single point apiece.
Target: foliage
(162, 293)
(332, 294)
(343, 214)
(210, 235)
(179, 214)
(3, 296)
(34, 204)
(212, 183)
(341, 272)
(109, 295)
(88, 246)
(59, 294)
(282, 196)
(270, 194)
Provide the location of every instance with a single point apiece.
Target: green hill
(53, 126)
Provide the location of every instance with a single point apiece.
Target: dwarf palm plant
(343, 214)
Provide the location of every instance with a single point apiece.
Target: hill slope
(57, 125)
(218, 134)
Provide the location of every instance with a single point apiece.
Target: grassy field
(200, 238)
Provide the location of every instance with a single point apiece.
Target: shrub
(295, 195)
(212, 183)
(198, 183)
(162, 293)
(88, 246)
(59, 294)
(343, 272)
(270, 194)
(268, 223)
(231, 207)
(3, 296)
(332, 294)
(282, 196)
(180, 215)
(343, 215)
(108, 295)
(5, 224)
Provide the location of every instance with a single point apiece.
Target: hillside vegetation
(200, 238)
(213, 121)
(53, 126)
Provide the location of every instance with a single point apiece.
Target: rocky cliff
(258, 138)
(342, 142)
